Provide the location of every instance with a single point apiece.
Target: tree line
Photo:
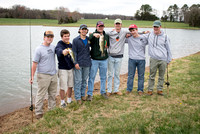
(186, 14)
(189, 15)
(62, 14)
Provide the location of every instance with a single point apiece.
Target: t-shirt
(45, 57)
(85, 41)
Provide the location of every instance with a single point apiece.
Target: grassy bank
(90, 23)
(178, 112)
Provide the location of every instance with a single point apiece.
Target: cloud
(123, 7)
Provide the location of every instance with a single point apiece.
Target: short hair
(64, 31)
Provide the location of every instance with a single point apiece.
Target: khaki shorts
(66, 78)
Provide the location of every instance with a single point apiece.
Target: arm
(59, 50)
(33, 69)
(169, 55)
(74, 49)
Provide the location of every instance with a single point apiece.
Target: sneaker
(149, 93)
(83, 98)
(160, 93)
(104, 96)
(89, 98)
(79, 102)
(140, 93)
(68, 102)
(109, 94)
(118, 93)
(63, 105)
(128, 92)
(39, 116)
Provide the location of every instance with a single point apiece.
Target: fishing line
(31, 99)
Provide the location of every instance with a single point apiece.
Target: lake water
(15, 58)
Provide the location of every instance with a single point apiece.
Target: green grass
(175, 113)
(91, 23)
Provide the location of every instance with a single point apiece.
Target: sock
(69, 100)
(62, 102)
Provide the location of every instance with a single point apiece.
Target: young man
(115, 52)
(65, 65)
(44, 61)
(136, 51)
(81, 49)
(160, 56)
(99, 43)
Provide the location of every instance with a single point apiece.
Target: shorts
(66, 78)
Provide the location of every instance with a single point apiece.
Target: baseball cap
(100, 23)
(118, 21)
(48, 33)
(82, 26)
(157, 23)
(133, 26)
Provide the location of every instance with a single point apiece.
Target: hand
(77, 67)
(128, 35)
(145, 32)
(96, 35)
(65, 52)
(31, 81)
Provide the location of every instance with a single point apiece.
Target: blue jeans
(102, 65)
(132, 65)
(114, 64)
(80, 81)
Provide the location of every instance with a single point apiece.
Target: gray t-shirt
(45, 57)
(136, 47)
(117, 45)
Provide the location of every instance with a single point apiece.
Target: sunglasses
(155, 27)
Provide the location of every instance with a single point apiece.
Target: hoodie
(159, 46)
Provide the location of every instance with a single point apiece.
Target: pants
(114, 65)
(102, 66)
(161, 66)
(46, 84)
(80, 81)
(132, 65)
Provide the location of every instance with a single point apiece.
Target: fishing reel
(167, 83)
(31, 108)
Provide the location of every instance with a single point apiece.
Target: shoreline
(94, 26)
(22, 117)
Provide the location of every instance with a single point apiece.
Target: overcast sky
(123, 7)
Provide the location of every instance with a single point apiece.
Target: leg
(52, 92)
(110, 73)
(92, 75)
(85, 75)
(102, 74)
(153, 70)
(43, 84)
(117, 67)
(131, 74)
(77, 83)
(70, 84)
(161, 70)
(141, 71)
(62, 75)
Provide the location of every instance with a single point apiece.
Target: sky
(108, 7)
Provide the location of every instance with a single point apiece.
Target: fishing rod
(166, 83)
(31, 99)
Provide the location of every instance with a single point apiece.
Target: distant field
(90, 23)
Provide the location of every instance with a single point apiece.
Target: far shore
(90, 23)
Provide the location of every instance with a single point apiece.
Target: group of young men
(101, 50)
